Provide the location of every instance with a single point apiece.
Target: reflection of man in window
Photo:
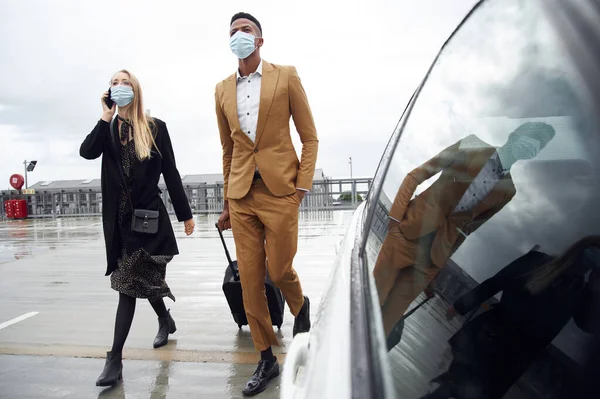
(424, 232)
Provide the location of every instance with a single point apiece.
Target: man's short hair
(539, 131)
(245, 15)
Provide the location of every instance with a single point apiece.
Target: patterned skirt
(140, 275)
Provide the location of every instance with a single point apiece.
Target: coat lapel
(268, 85)
(114, 138)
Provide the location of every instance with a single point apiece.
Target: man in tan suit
(424, 232)
(264, 182)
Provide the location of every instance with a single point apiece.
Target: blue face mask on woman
(122, 95)
(242, 44)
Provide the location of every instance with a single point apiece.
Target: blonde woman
(139, 238)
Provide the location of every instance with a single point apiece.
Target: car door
(494, 164)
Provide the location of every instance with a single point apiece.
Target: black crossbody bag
(144, 221)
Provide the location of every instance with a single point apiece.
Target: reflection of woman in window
(540, 294)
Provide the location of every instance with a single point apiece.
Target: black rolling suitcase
(232, 288)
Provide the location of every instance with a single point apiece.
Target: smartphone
(108, 101)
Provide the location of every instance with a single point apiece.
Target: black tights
(125, 312)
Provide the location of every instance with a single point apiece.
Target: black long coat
(500, 344)
(145, 192)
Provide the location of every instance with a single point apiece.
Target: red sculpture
(17, 181)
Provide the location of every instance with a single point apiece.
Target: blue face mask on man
(242, 44)
(122, 95)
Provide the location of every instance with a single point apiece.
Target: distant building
(204, 192)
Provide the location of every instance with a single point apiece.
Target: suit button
(255, 150)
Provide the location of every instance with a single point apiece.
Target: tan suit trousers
(256, 218)
(402, 271)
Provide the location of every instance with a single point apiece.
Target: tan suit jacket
(281, 96)
(433, 210)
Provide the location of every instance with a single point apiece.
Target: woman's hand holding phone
(108, 111)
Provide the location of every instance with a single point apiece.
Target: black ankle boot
(265, 372)
(113, 370)
(166, 326)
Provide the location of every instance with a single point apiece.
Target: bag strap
(234, 272)
(413, 310)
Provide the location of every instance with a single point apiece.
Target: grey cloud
(359, 63)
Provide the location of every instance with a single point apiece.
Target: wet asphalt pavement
(58, 310)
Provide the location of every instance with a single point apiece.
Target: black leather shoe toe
(265, 372)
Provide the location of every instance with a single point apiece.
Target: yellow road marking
(163, 354)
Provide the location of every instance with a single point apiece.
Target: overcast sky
(359, 62)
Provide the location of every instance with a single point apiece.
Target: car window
(490, 202)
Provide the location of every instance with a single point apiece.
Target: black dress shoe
(302, 322)
(113, 370)
(265, 372)
(166, 326)
(395, 335)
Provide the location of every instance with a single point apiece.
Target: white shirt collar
(258, 71)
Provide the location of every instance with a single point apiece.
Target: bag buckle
(145, 223)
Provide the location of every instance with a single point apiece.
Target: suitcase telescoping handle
(413, 310)
(234, 272)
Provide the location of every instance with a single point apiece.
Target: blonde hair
(543, 277)
(143, 125)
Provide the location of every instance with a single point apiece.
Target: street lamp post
(29, 167)
(350, 162)
(25, 164)
(352, 186)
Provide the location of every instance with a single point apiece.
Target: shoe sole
(266, 385)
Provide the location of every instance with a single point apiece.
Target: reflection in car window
(491, 193)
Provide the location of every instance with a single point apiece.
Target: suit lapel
(478, 161)
(230, 101)
(270, 77)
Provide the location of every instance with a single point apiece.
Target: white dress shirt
(248, 101)
(482, 185)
